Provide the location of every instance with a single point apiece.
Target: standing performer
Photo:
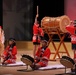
(9, 54)
(2, 40)
(42, 56)
(37, 34)
(72, 30)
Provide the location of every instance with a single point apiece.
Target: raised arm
(36, 15)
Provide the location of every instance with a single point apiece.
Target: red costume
(42, 56)
(71, 29)
(10, 59)
(37, 32)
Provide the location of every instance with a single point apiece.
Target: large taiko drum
(28, 60)
(56, 22)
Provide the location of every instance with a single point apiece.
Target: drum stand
(51, 34)
(26, 70)
(73, 73)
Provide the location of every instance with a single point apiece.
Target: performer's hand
(68, 35)
(37, 58)
(71, 21)
(37, 15)
(44, 59)
(10, 53)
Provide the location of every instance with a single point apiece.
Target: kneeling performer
(42, 56)
(9, 54)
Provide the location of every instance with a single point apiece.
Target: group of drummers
(39, 35)
(41, 52)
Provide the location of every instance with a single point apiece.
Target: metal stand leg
(26, 67)
(26, 70)
(65, 70)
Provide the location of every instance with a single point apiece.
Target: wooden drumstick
(37, 12)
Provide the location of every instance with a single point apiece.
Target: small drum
(67, 62)
(28, 60)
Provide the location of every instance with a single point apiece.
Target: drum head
(64, 22)
(67, 62)
(45, 22)
(27, 59)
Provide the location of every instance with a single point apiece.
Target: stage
(14, 70)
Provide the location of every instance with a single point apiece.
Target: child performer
(42, 56)
(37, 35)
(9, 54)
(72, 30)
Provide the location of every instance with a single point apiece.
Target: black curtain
(52, 8)
(1, 15)
(21, 28)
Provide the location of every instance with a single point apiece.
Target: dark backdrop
(19, 15)
(1, 13)
(52, 8)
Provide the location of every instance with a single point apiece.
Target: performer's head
(12, 41)
(74, 23)
(44, 43)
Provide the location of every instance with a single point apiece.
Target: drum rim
(27, 60)
(70, 59)
(29, 57)
(67, 62)
(62, 17)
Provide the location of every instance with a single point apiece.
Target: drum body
(28, 60)
(67, 62)
(55, 22)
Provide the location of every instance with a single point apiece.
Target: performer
(37, 35)
(9, 54)
(2, 40)
(72, 30)
(42, 56)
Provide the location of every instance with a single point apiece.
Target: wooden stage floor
(14, 70)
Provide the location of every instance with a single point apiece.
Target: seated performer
(72, 30)
(42, 56)
(37, 35)
(9, 54)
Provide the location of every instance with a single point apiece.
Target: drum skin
(28, 60)
(56, 22)
(67, 62)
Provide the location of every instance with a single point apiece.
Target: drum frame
(57, 49)
(27, 61)
(68, 63)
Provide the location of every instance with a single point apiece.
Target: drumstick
(36, 15)
(37, 10)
